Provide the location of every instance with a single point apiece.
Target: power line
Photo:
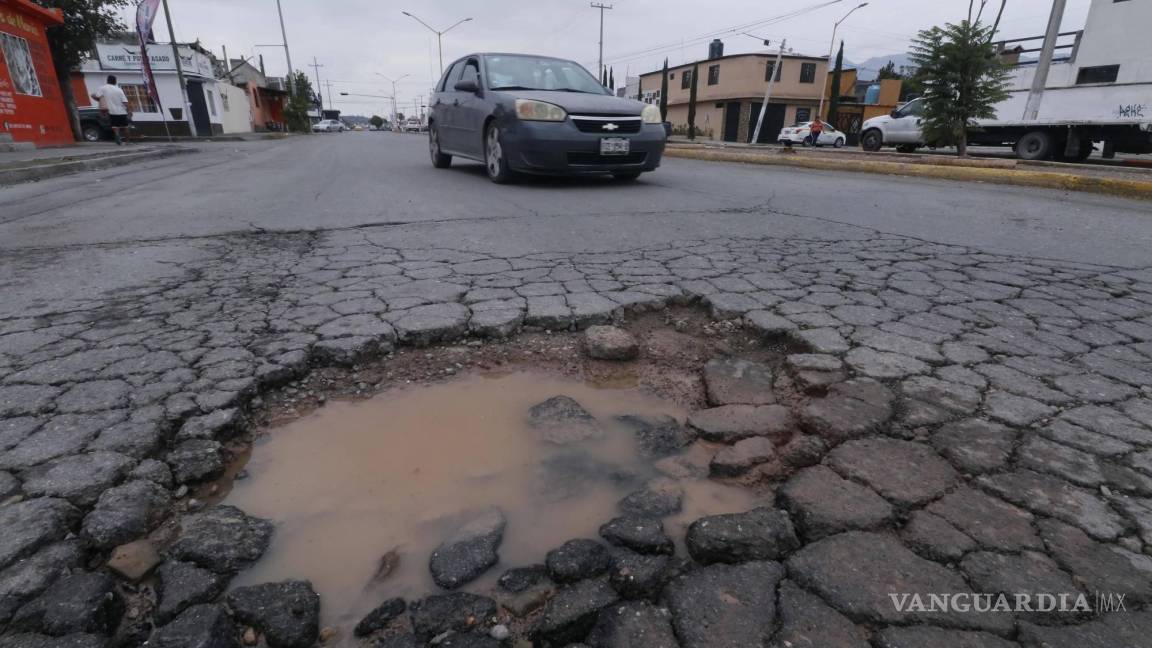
(629, 56)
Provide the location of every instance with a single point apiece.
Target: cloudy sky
(355, 40)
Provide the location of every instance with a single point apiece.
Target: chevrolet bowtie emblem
(610, 127)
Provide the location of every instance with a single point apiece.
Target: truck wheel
(1084, 153)
(872, 140)
(1036, 145)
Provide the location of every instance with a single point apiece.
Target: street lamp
(439, 34)
(393, 82)
(820, 111)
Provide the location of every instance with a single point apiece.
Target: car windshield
(537, 73)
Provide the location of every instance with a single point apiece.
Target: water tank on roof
(716, 48)
(872, 94)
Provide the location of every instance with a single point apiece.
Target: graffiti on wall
(1132, 110)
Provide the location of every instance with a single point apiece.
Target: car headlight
(652, 115)
(530, 110)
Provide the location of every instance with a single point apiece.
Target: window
(471, 72)
(20, 66)
(686, 80)
(1098, 74)
(450, 76)
(807, 73)
(211, 102)
(713, 74)
(138, 99)
(671, 76)
(914, 108)
(803, 115)
(224, 102)
(768, 71)
(719, 104)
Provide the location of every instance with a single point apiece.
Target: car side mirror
(467, 86)
(895, 114)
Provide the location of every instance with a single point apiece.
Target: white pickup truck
(1099, 92)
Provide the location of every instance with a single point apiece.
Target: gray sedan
(532, 114)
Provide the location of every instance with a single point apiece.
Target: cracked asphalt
(989, 351)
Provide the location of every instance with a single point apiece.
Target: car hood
(876, 121)
(580, 103)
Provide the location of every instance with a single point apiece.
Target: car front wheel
(439, 159)
(872, 140)
(495, 158)
(91, 133)
(839, 142)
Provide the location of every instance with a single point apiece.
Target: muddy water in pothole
(355, 480)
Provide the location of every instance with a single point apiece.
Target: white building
(211, 103)
(1102, 73)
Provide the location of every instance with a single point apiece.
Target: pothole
(366, 471)
(358, 488)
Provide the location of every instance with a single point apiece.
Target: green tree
(692, 104)
(612, 78)
(376, 121)
(888, 72)
(962, 76)
(664, 93)
(85, 21)
(303, 100)
(834, 101)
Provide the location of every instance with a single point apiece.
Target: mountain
(869, 68)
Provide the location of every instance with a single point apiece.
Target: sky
(357, 40)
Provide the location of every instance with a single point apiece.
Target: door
(773, 122)
(905, 127)
(199, 109)
(732, 121)
(470, 113)
(444, 109)
(849, 121)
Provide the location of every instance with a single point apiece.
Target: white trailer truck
(1098, 90)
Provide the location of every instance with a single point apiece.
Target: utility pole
(1040, 81)
(287, 54)
(601, 7)
(768, 92)
(827, 69)
(316, 65)
(180, 72)
(328, 84)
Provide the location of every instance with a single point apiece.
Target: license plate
(615, 146)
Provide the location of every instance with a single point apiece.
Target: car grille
(595, 159)
(624, 125)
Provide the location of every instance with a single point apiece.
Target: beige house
(730, 93)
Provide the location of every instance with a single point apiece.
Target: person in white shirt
(114, 104)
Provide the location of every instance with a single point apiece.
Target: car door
(905, 125)
(444, 109)
(471, 111)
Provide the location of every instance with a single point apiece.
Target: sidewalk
(1132, 182)
(40, 164)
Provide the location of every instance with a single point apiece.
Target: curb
(969, 173)
(43, 171)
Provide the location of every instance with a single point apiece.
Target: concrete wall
(235, 112)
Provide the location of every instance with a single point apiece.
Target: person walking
(114, 104)
(816, 128)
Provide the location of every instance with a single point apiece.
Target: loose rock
(563, 421)
(456, 612)
(200, 626)
(223, 539)
(659, 435)
(470, 551)
(181, 585)
(286, 613)
(573, 611)
(633, 624)
(577, 560)
(610, 343)
(733, 381)
(644, 535)
(80, 603)
(126, 513)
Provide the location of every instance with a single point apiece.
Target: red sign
(31, 104)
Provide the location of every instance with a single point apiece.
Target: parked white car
(800, 134)
(328, 126)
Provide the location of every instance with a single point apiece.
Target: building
(1100, 73)
(121, 58)
(731, 89)
(730, 94)
(265, 95)
(32, 106)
